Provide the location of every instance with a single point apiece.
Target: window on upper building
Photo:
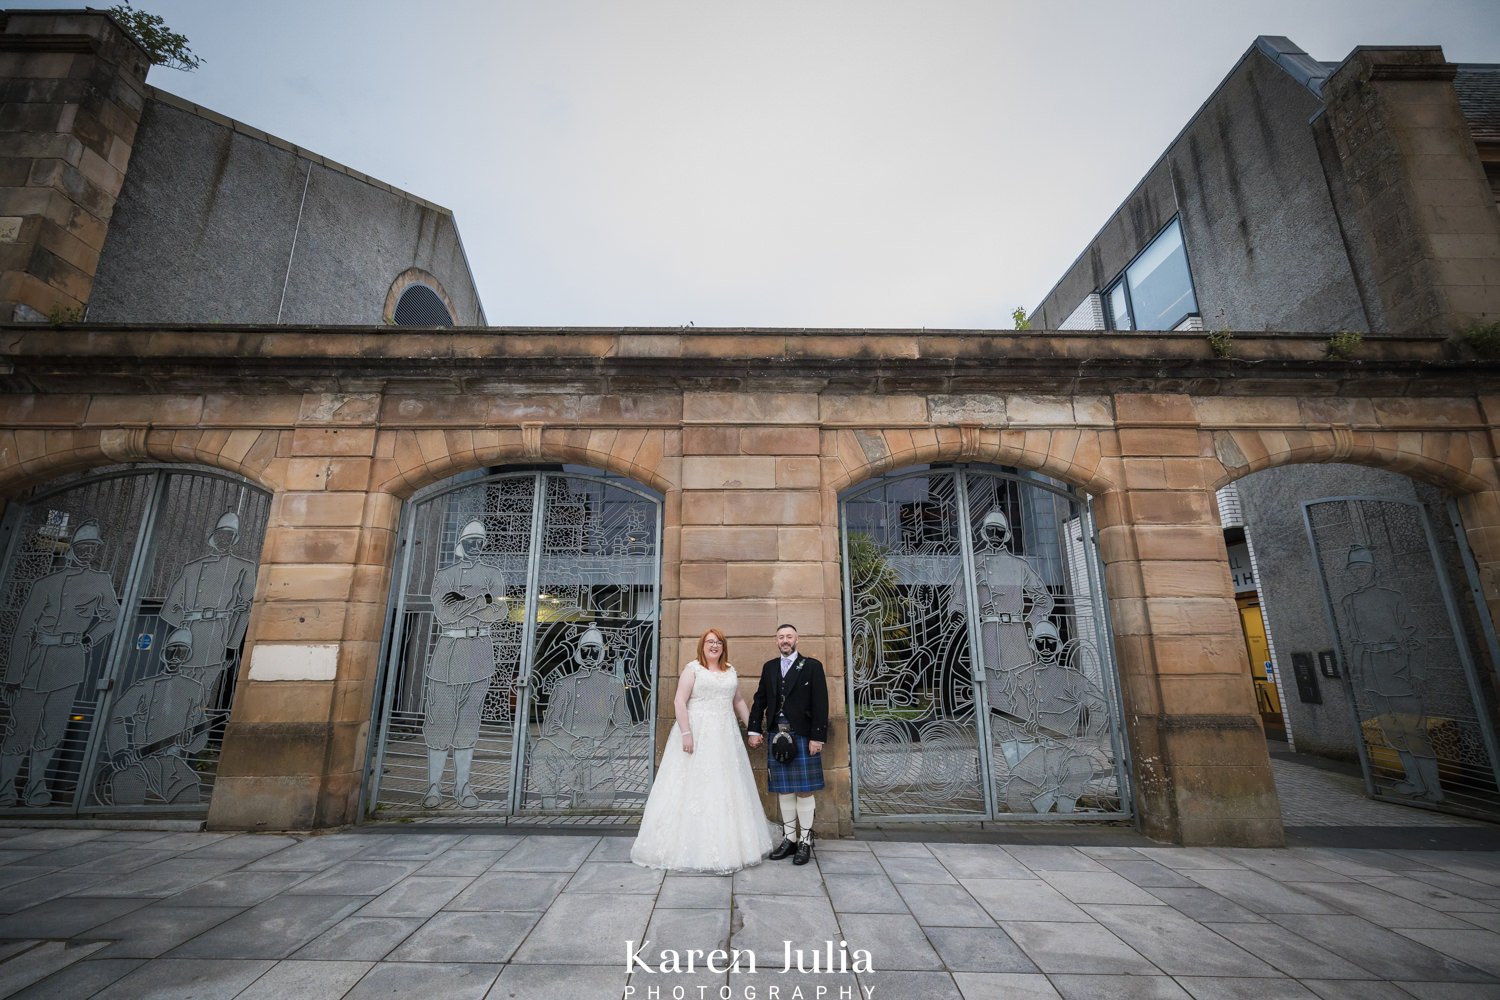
(1156, 290)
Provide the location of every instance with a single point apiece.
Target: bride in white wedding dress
(704, 814)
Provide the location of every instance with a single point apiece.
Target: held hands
(756, 739)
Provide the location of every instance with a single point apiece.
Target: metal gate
(1422, 709)
(124, 598)
(521, 651)
(939, 562)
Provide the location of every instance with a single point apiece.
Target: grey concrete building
(161, 211)
(1340, 198)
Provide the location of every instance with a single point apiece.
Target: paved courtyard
(149, 914)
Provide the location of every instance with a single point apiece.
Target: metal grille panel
(157, 568)
(940, 562)
(1423, 718)
(561, 677)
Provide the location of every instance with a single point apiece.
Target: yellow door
(1254, 627)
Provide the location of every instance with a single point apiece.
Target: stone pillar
(1201, 771)
(295, 749)
(1418, 207)
(74, 86)
(759, 546)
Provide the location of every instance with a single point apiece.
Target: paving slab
(894, 941)
(418, 896)
(273, 929)
(39, 961)
(455, 936)
(449, 980)
(583, 928)
(1023, 899)
(863, 894)
(511, 891)
(695, 891)
(80, 979)
(1385, 953)
(1074, 986)
(944, 906)
(1004, 986)
(360, 938)
(547, 854)
(1233, 988)
(978, 949)
(185, 979)
(1176, 944)
(157, 929)
(561, 982)
(306, 980)
(1070, 947)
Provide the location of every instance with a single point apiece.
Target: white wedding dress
(704, 814)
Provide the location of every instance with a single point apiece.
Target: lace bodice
(712, 687)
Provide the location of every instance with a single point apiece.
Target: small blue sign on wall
(144, 641)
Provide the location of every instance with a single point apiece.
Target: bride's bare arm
(741, 710)
(680, 704)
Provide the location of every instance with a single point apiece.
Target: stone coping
(156, 358)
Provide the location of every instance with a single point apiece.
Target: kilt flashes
(804, 773)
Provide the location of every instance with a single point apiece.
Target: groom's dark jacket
(806, 699)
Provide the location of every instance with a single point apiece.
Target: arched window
(421, 306)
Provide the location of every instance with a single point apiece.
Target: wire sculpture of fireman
(1385, 655)
(586, 711)
(67, 615)
(211, 599)
(468, 597)
(158, 722)
(1052, 729)
(1013, 600)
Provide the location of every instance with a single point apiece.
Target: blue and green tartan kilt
(804, 773)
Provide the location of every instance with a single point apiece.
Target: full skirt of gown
(704, 813)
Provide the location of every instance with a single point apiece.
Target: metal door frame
(1455, 624)
(106, 687)
(390, 661)
(1103, 633)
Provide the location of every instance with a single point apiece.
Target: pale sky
(856, 163)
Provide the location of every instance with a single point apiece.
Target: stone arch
(1074, 455)
(30, 457)
(420, 458)
(1459, 461)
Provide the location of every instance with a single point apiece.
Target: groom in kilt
(793, 693)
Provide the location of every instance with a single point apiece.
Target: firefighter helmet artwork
(67, 619)
(156, 726)
(468, 598)
(587, 713)
(1012, 600)
(211, 599)
(1385, 657)
(1052, 728)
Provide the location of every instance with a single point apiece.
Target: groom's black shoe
(804, 852)
(784, 850)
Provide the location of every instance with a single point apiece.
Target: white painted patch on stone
(287, 661)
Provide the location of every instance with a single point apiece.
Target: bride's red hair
(723, 656)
